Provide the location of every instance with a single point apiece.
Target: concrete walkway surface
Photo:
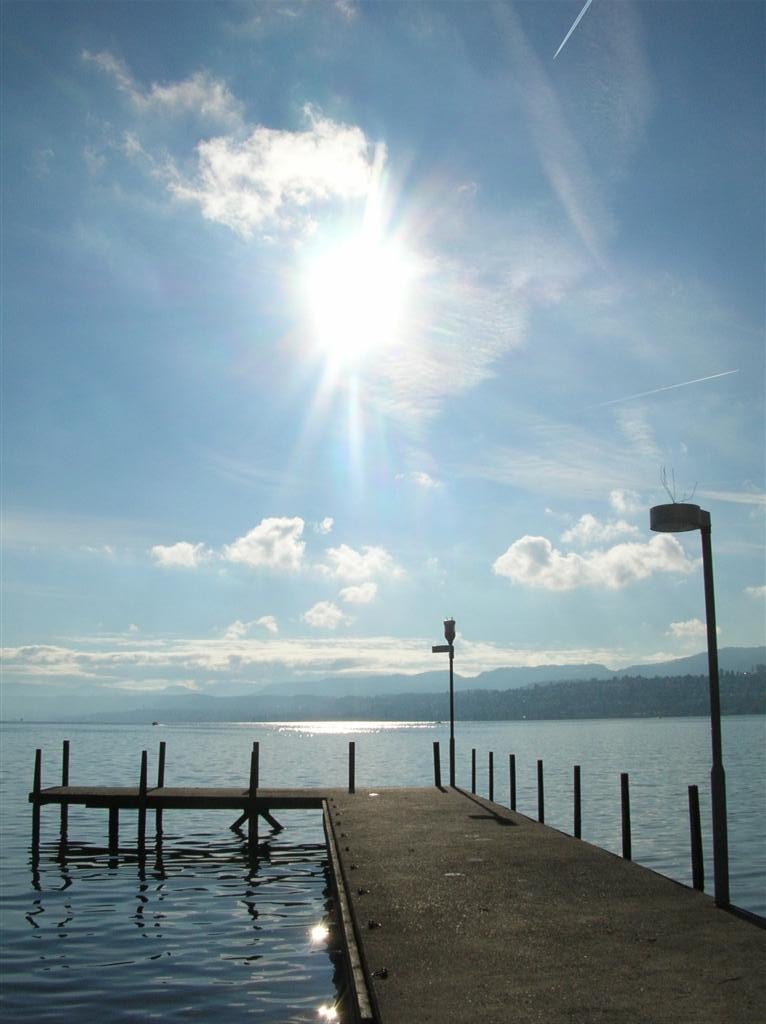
(467, 913)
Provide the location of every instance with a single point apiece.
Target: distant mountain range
(731, 659)
(383, 696)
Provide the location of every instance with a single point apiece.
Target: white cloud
(347, 8)
(362, 593)
(325, 615)
(132, 628)
(756, 592)
(182, 555)
(346, 563)
(273, 544)
(201, 94)
(737, 497)
(204, 663)
(561, 459)
(692, 629)
(236, 630)
(104, 549)
(270, 179)
(634, 423)
(325, 526)
(589, 531)
(421, 478)
(624, 502)
(534, 562)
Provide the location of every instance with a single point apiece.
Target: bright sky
(324, 322)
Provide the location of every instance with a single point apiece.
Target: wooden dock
(456, 910)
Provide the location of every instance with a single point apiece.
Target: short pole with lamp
(448, 648)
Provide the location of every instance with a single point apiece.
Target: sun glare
(357, 294)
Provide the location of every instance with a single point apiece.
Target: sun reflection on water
(318, 934)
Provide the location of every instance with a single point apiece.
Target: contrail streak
(577, 21)
(667, 387)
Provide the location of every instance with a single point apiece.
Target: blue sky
(325, 321)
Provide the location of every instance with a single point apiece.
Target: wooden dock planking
(182, 797)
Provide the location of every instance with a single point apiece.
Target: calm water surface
(195, 933)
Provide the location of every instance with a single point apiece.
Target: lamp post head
(678, 518)
(449, 630)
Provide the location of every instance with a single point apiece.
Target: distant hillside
(361, 697)
(731, 659)
(742, 693)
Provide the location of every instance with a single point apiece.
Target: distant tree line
(742, 693)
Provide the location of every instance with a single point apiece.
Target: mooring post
(577, 803)
(160, 784)
(625, 802)
(352, 767)
(540, 793)
(114, 831)
(698, 864)
(512, 772)
(252, 821)
(36, 787)
(491, 775)
(142, 789)
(64, 782)
(437, 766)
(473, 771)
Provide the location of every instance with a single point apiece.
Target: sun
(357, 291)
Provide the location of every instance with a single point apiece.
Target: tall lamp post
(680, 518)
(448, 648)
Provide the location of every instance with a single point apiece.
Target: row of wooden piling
(252, 812)
(250, 815)
(695, 829)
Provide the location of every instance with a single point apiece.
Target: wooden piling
(36, 787)
(695, 829)
(64, 782)
(437, 765)
(352, 767)
(160, 784)
(577, 803)
(114, 831)
(473, 771)
(512, 773)
(625, 807)
(252, 821)
(540, 793)
(491, 775)
(142, 789)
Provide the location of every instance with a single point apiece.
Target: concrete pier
(466, 912)
(456, 911)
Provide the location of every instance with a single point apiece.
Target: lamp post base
(720, 836)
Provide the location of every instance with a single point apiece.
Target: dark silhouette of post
(681, 518)
(64, 782)
(160, 784)
(437, 766)
(577, 803)
(627, 846)
(695, 831)
(448, 648)
(540, 793)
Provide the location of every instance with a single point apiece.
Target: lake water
(194, 932)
